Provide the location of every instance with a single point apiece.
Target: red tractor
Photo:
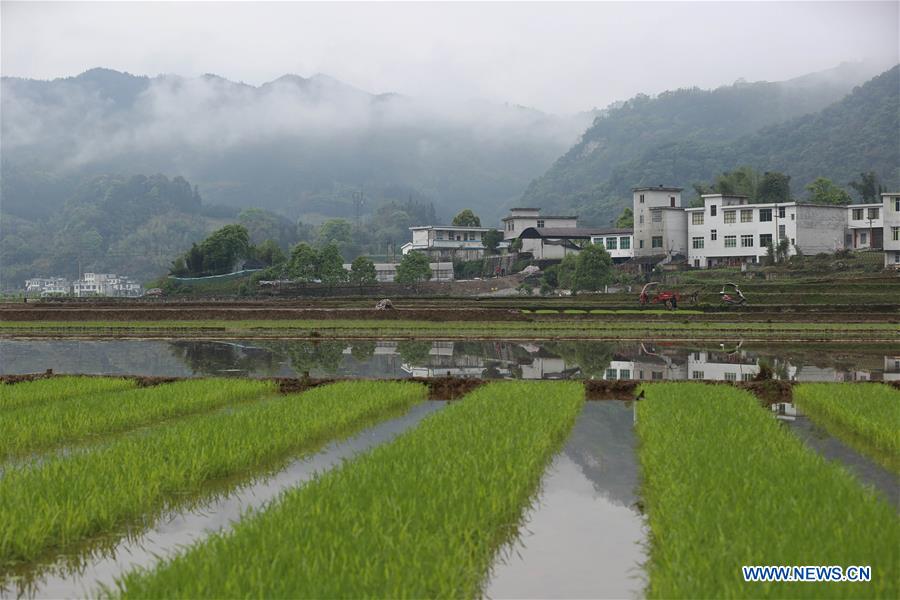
(652, 296)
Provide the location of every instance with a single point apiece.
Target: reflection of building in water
(892, 368)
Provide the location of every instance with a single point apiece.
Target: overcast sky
(556, 57)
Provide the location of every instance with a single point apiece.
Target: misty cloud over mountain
(295, 144)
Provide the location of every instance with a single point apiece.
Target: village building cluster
(726, 230)
(91, 284)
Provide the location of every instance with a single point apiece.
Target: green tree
(413, 268)
(565, 271)
(626, 219)
(303, 264)
(362, 271)
(774, 187)
(867, 186)
(466, 218)
(331, 265)
(270, 253)
(335, 231)
(824, 191)
(743, 181)
(219, 252)
(593, 269)
(491, 239)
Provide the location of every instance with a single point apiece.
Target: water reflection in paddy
(725, 361)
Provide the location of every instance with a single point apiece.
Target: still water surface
(729, 361)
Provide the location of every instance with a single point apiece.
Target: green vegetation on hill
(689, 136)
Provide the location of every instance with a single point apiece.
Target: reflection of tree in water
(592, 358)
(414, 352)
(362, 351)
(603, 445)
(308, 356)
(212, 358)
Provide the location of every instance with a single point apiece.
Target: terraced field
(436, 510)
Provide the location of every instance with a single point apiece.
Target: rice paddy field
(665, 495)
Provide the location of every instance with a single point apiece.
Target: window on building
(713, 235)
(641, 221)
(712, 210)
(656, 375)
(873, 213)
(731, 241)
(781, 210)
(793, 243)
(696, 374)
(624, 373)
(765, 239)
(897, 204)
(747, 376)
(747, 216)
(642, 198)
(863, 238)
(610, 374)
(697, 243)
(625, 243)
(672, 201)
(697, 262)
(730, 376)
(611, 243)
(746, 241)
(656, 216)
(728, 216)
(438, 235)
(857, 214)
(697, 218)
(765, 215)
(540, 223)
(895, 234)
(656, 241)
(792, 216)
(782, 232)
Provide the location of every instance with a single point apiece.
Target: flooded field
(495, 359)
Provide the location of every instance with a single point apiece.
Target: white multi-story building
(660, 224)
(106, 284)
(48, 286)
(447, 242)
(729, 231)
(865, 226)
(890, 206)
(520, 219)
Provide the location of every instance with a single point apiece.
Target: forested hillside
(690, 136)
(303, 147)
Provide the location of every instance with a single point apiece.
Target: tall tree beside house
(867, 186)
(626, 219)
(491, 239)
(303, 263)
(413, 268)
(215, 255)
(593, 269)
(774, 187)
(825, 191)
(331, 265)
(466, 218)
(362, 271)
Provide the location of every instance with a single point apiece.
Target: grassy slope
(724, 485)
(420, 517)
(60, 501)
(74, 419)
(865, 416)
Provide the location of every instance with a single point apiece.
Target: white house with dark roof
(890, 206)
(447, 242)
(545, 243)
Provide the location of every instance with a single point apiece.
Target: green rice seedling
(421, 517)
(865, 416)
(75, 419)
(62, 501)
(726, 485)
(40, 391)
